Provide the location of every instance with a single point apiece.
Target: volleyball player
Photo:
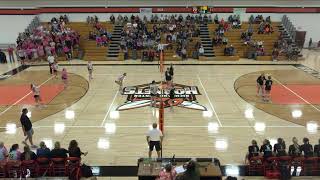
(54, 68)
(168, 77)
(153, 93)
(260, 87)
(64, 77)
(268, 86)
(90, 69)
(119, 81)
(36, 94)
(171, 96)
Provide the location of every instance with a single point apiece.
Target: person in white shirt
(153, 93)
(50, 61)
(119, 81)
(201, 51)
(36, 93)
(154, 139)
(90, 69)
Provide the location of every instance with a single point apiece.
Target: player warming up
(268, 86)
(119, 81)
(90, 69)
(36, 94)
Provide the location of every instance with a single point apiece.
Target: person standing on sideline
(36, 94)
(90, 69)
(50, 61)
(119, 81)
(27, 127)
(10, 52)
(64, 77)
(260, 82)
(268, 89)
(154, 139)
(153, 93)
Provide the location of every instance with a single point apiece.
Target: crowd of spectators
(15, 154)
(280, 149)
(56, 39)
(100, 33)
(168, 32)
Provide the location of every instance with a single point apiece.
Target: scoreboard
(201, 10)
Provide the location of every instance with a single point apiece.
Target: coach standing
(154, 139)
(27, 127)
(50, 61)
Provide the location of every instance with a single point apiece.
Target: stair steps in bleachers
(206, 41)
(114, 45)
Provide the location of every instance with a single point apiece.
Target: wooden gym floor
(88, 113)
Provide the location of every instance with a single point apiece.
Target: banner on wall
(145, 10)
(239, 11)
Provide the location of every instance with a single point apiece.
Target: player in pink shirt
(64, 77)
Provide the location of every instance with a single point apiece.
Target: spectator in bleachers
(168, 173)
(224, 40)
(28, 154)
(112, 19)
(266, 149)
(306, 148)
(275, 54)
(43, 151)
(3, 152)
(216, 19)
(268, 19)
(229, 51)
(268, 29)
(317, 149)
(253, 150)
(58, 152)
(184, 54)
(294, 149)
(14, 153)
(201, 51)
(279, 148)
(74, 150)
(251, 19)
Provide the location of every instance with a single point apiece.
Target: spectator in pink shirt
(67, 52)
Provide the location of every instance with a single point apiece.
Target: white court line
(214, 111)
(296, 94)
(143, 126)
(107, 114)
(23, 97)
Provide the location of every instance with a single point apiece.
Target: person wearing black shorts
(171, 96)
(154, 140)
(268, 86)
(168, 77)
(260, 81)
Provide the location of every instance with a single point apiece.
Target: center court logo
(139, 96)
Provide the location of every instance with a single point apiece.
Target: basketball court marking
(107, 114)
(307, 102)
(205, 92)
(24, 97)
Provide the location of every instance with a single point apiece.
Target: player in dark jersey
(171, 96)
(260, 82)
(268, 85)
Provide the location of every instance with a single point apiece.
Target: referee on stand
(154, 139)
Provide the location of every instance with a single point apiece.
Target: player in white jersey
(153, 93)
(90, 69)
(119, 81)
(36, 93)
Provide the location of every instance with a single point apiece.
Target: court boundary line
(296, 94)
(171, 126)
(213, 109)
(109, 109)
(8, 108)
